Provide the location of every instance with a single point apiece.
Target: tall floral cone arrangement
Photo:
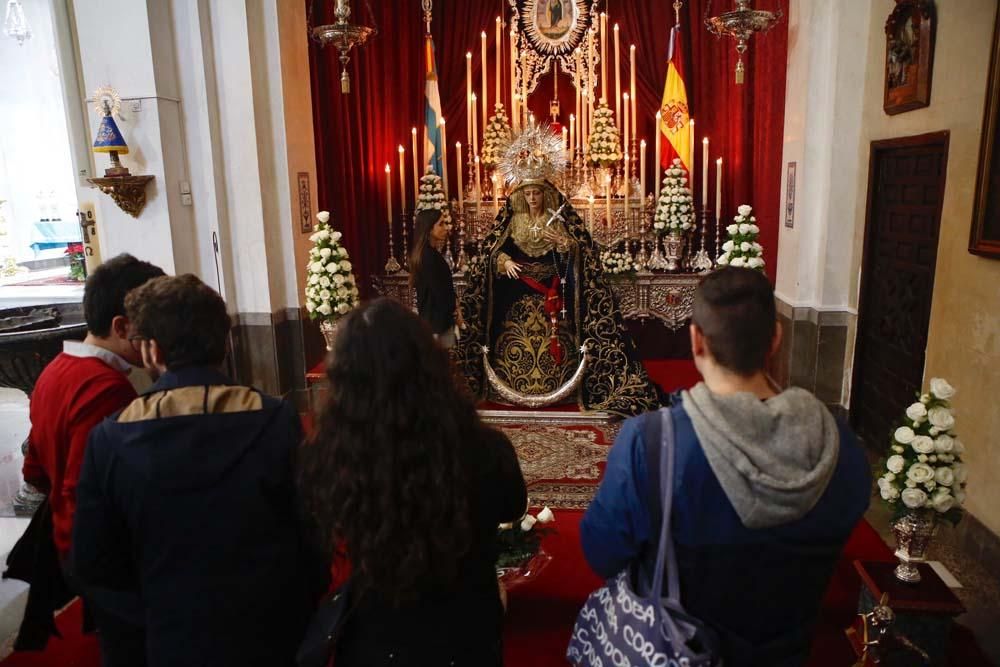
(496, 137)
(742, 248)
(604, 149)
(675, 209)
(331, 291)
(431, 195)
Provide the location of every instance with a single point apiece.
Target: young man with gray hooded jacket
(767, 486)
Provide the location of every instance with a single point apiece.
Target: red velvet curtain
(357, 134)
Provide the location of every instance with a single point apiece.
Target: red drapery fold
(357, 134)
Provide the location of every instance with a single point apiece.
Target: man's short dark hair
(734, 309)
(104, 293)
(186, 317)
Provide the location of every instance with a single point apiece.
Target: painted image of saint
(555, 18)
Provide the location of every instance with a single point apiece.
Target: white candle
(607, 201)
(618, 82)
(402, 178)
(656, 165)
(565, 135)
(458, 161)
(642, 170)
(479, 192)
(499, 59)
(531, 119)
(718, 189)
(416, 171)
(475, 126)
(626, 185)
(468, 94)
(635, 118)
(485, 98)
(604, 58)
(690, 156)
(444, 158)
(572, 136)
(625, 133)
(704, 174)
(388, 193)
(524, 83)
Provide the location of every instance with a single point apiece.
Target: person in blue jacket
(767, 486)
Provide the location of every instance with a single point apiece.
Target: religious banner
(433, 150)
(550, 31)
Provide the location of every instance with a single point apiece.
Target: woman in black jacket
(404, 481)
(430, 275)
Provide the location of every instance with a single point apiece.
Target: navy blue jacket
(187, 499)
(759, 589)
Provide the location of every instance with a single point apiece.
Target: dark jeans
(118, 617)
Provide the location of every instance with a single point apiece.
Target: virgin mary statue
(542, 324)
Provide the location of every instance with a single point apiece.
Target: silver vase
(673, 245)
(329, 329)
(913, 532)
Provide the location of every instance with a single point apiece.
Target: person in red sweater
(85, 383)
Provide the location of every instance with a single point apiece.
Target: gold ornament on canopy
(344, 36)
(741, 24)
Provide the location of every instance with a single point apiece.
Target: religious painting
(909, 55)
(305, 203)
(984, 237)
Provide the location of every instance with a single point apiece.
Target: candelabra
(470, 182)
(460, 223)
(392, 266)
(645, 205)
(406, 247)
(718, 235)
(741, 24)
(344, 36)
(701, 262)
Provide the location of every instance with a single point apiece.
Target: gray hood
(773, 458)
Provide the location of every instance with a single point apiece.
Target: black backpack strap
(652, 434)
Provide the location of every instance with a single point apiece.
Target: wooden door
(905, 192)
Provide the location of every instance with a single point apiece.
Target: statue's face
(534, 197)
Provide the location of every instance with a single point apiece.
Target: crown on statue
(536, 154)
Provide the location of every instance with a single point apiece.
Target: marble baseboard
(813, 352)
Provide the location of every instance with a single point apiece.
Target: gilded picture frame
(909, 56)
(984, 235)
(548, 34)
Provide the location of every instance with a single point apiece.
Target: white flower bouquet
(742, 248)
(924, 469)
(675, 209)
(331, 291)
(604, 149)
(431, 194)
(520, 554)
(496, 137)
(618, 263)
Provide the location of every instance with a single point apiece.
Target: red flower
(74, 249)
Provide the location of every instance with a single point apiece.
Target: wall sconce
(127, 191)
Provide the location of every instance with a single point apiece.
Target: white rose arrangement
(924, 469)
(496, 137)
(431, 194)
(604, 148)
(675, 209)
(331, 291)
(618, 263)
(742, 248)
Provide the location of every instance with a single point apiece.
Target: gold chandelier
(741, 24)
(344, 36)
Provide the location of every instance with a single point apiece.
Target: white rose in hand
(920, 473)
(941, 418)
(904, 435)
(895, 464)
(941, 388)
(916, 412)
(914, 498)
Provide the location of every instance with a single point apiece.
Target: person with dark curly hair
(405, 482)
(187, 497)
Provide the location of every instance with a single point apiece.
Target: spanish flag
(675, 134)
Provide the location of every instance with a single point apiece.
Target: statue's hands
(512, 268)
(557, 238)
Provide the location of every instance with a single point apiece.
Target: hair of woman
(384, 479)
(422, 226)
